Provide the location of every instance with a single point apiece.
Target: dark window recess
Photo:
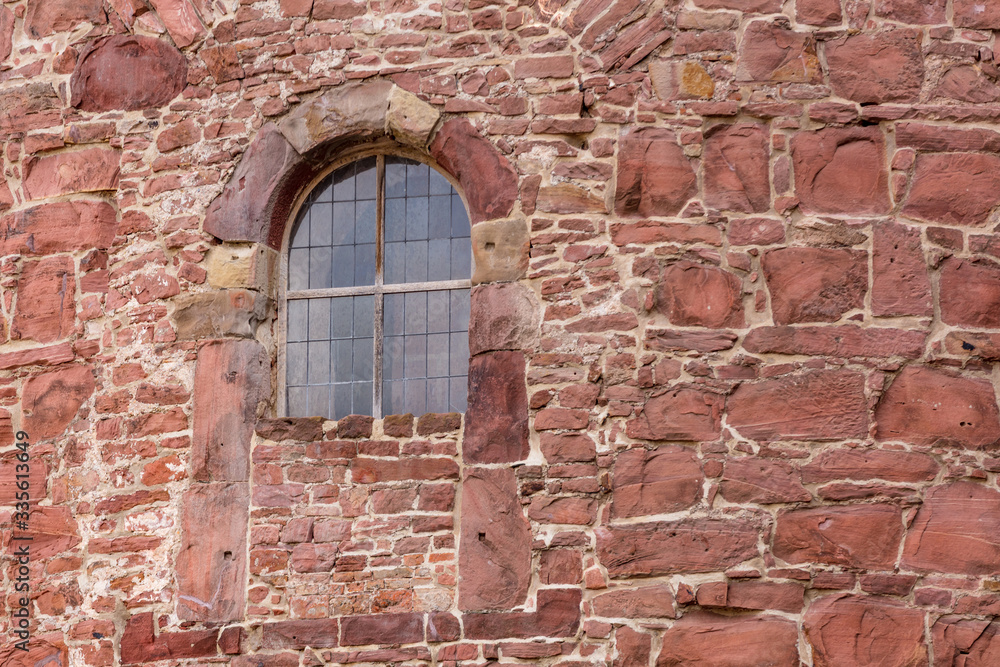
(378, 294)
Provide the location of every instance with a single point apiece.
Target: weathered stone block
(232, 379)
(473, 160)
(211, 564)
(954, 188)
(769, 52)
(89, 170)
(668, 547)
(500, 251)
(496, 420)
(815, 405)
(667, 479)
(818, 12)
(967, 641)
(655, 178)
(409, 119)
(709, 639)
(504, 316)
(234, 312)
(300, 633)
(695, 295)
(382, 629)
(877, 68)
(45, 17)
(558, 615)
(976, 14)
(836, 341)
(957, 530)
(682, 413)
(970, 293)
(46, 300)
(929, 406)
(246, 265)
(50, 401)
(859, 630)
(641, 602)
(157, 72)
(815, 284)
(752, 480)
(737, 170)
(858, 536)
(58, 227)
(223, 62)
(890, 465)
(494, 553)
(900, 284)
(181, 20)
(841, 170)
(918, 12)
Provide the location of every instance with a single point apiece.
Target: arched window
(377, 296)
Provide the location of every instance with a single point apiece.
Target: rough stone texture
(838, 341)
(959, 641)
(654, 482)
(877, 68)
(410, 119)
(857, 630)
(494, 549)
(653, 549)
(642, 602)
(231, 380)
(217, 314)
(157, 73)
(50, 401)
(818, 12)
(558, 615)
(735, 161)
(45, 17)
(470, 158)
(912, 11)
(654, 176)
(45, 309)
(834, 283)
(892, 466)
(706, 639)
(503, 317)
(900, 284)
(747, 480)
(954, 188)
(860, 536)
(970, 292)
(58, 227)
(499, 251)
(180, 19)
(256, 192)
(771, 53)
(211, 565)
(815, 405)
(956, 530)
(929, 406)
(972, 14)
(679, 414)
(967, 84)
(6, 32)
(353, 112)
(497, 416)
(841, 170)
(696, 295)
(90, 170)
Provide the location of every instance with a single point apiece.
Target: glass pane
(298, 317)
(366, 178)
(439, 185)
(363, 359)
(364, 221)
(300, 236)
(364, 264)
(458, 394)
(439, 259)
(321, 224)
(392, 358)
(343, 223)
(437, 311)
(460, 308)
(415, 312)
(416, 261)
(437, 395)
(416, 218)
(364, 316)
(318, 371)
(415, 392)
(319, 400)
(343, 400)
(296, 362)
(362, 398)
(415, 351)
(342, 317)
(392, 315)
(319, 319)
(320, 275)
(416, 179)
(343, 360)
(439, 217)
(297, 399)
(298, 269)
(437, 356)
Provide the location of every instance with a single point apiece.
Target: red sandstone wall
(735, 339)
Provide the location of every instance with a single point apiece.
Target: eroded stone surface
(50, 401)
(157, 72)
(679, 414)
(954, 188)
(503, 317)
(957, 530)
(654, 176)
(877, 68)
(58, 227)
(692, 294)
(858, 630)
(646, 482)
(218, 314)
(735, 162)
(900, 284)
(860, 536)
(495, 546)
(769, 52)
(46, 293)
(706, 639)
(841, 170)
(815, 284)
(749, 480)
(497, 417)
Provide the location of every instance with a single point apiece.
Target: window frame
(382, 148)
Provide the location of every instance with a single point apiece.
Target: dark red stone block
(901, 285)
(668, 547)
(468, 156)
(147, 73)
(930, 406)
(46, 303)
(859, 630)
(735, 160)
(970, 293)
(858, 536)
(655, 178)
(139, 644)
(957, 530)
(815, 284)
(494, 554)
(211, 564)
(667, 479)
(877, 68)
(841, 170)
(917, 12)
(695, 295)
(954, 188)
(816, 405)
(496, 420)
(682, 413)
(381, 629)
(231, 378)
(836, 341)
(50, 401)
(701, 638)
(962, 641)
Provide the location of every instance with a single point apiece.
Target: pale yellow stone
(500, 250)
(409, 119)
(247, 265)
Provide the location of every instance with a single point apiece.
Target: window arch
(376, 293)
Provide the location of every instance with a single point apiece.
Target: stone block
(58, 227)
(157, 72)
(46, 300)
(815, 284)
(861, 464)
(181, 20)
(841, 171)
(681, 413)
(655, 178)
(89, 170)
(211, 564)
(954, 188)
(762, 481)
(860, 630)
(836, 341)
(696, 295)
(409, 119)
(876, 68)
(930, 406)
(558, 615)
(667, 479)
(45, 17)
(958, 640)
(772, 53)
(50, 401)
(669, 547)
(496, 420)
(655, 601)
(488, 180)
(494, 552)
(736, 166)
(857, 536)
(504, 316)
(814, 405)
(710, 639)
(232, 312)
(382, 629)
(976, 14)
(500, 251)
(231, 383)
(916, 12)
(956, 530)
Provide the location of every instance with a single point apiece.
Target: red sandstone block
(893, 466)
(299, 634)
(859, 536)
(836, 341)
(956, 530)
(840, 633)
(139, 645)
(815, 284)
(645, 482)
(50, 401)
(58, 227)
(382, 629)
(655, 178)
(841, 170)
(701, 637)
(544, 67)
(157, 73)
(769, 52)
(642, 602)
(877, 68)
(691, 294)
(766, 595)
(558, 615)
(933, 196)
(917, 12)
(972, 14)
(366, 471)
(752, 480)
(683, 413)
(565, 510)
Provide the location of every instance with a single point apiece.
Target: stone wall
(735, 334)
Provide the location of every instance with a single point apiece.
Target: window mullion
(379, 255)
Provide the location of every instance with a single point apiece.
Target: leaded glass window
(377, 299)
